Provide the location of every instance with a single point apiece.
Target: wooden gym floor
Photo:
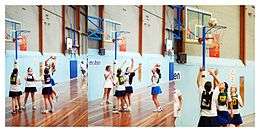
(73, 109)
(70, 109)
(142, 111)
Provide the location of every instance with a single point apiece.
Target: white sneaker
(13, 112)
(160, 109)
(34, 107)
(44, 111)
(23, 107)
(108, 102)
(155, 110)
(125, 107)
(129, 109)
(115, 112)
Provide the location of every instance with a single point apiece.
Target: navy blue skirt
(208, 121)
(15, 94)
(223, 118)
(119, 93)
(30, 89)
(129, 89)
(47, 91)
(156, 90)
(236, 120)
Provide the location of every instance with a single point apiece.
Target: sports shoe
(20, 110)
(115, 112)
(102, 103)
(51, 110)
(108, 102)
(160, 109)
(23, 107)
(120, 110)
(126, 110)
(16, 108)
(34, 107)
(125, 106)
(155, 110)
(13, 112)
(44, 111)
(129, 109)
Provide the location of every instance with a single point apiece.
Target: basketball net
(22, 40)
(212, 40)
(122, 44)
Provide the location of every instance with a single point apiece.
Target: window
(195, 20)
(10, 27)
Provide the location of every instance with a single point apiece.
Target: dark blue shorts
(223, 118)
(208, 121)
(47, 91)
(30, 89)
(119, 93)
(236, 120)
(156, 90)
(129, 89)
(15, 94)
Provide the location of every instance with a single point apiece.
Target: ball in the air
(212, 22)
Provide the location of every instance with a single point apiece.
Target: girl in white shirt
(15, 91)
(129, 74)
(30, 88)
(83, 68)
(235, 117)
(47, 92)
(108, 84)
(156, 89)
(222, 107)
(208, 100)
(120, 91)
(178, 102)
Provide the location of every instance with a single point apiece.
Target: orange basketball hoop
(209, 40)
(22, 40)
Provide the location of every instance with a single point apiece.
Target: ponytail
(13, 77)
(158, 71)
(14, 73)
(118, 72)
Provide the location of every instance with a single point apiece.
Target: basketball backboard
(195, 19)
(110, 27)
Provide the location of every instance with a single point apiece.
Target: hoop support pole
(204, 47)
(16, 45)
(116, 34)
